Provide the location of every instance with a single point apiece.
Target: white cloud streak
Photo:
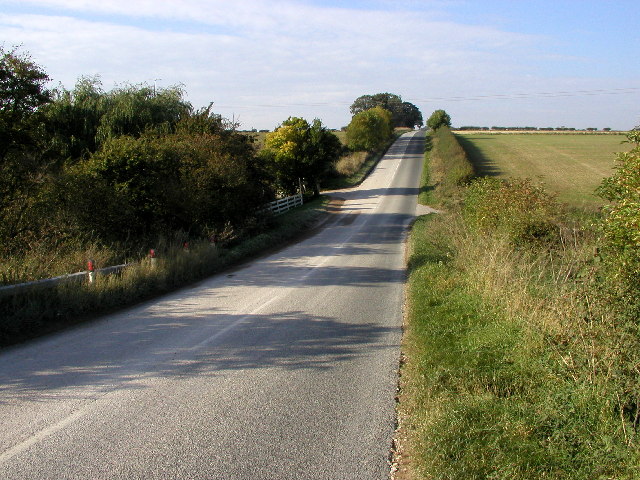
(266, 60)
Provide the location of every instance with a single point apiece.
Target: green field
(571, 166)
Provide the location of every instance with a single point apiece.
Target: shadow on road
(181, 337)
(292, 340)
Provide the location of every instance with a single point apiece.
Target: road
(284, 368)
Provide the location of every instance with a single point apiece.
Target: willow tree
(82, 119)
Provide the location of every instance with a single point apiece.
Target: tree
(370, 130)
(298, 152)
(73, 118)
(82, 119)
(438, 119)
(133, 109)
(403, 114)
(324, 149)
(22, 96)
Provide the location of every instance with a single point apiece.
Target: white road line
(42, 434)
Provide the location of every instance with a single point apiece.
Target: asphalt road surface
(285, 368)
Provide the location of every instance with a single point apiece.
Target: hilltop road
(284, 368)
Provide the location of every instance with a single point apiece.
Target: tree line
(104, 166)
(134, 163)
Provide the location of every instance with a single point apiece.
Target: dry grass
(351, 163)
(27, 314)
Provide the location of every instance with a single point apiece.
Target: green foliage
(222, 181)
(516, 367)
(158, 183)
(22, 165)
(145, 175)
(370, 130)
(81, 120)
(522, 362)
(73, 118)
(22, 94)
(297, 151)
(403, 114)
(523, 212)
(449, 166)
(621, 226)
(439, 118)
(116, 167)
(131, 110)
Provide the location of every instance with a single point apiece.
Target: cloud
(266, 60)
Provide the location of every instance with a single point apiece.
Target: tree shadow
(183, 338)
(483, 166)
(291, 340)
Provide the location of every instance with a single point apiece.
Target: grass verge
(515, 366)
(43, 310)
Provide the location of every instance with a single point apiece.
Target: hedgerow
(522, 347)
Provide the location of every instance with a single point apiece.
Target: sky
(487, 63)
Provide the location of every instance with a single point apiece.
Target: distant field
(572, 166)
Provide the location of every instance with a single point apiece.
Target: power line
(511, 96)
(492, 96)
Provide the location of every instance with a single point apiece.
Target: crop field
(571, 166)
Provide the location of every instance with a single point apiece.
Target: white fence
(283, 204)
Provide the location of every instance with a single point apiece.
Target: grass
(571, 166)
(39, 311)
(514, 364)
(352, 169)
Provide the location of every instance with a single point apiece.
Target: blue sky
(505, 63)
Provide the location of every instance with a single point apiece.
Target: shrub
(620, 247)
(516, 208)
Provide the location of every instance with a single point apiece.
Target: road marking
(41, 435)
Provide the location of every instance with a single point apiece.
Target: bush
(620, 247)
(521, 211)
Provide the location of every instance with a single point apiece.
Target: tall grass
(516, 367)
